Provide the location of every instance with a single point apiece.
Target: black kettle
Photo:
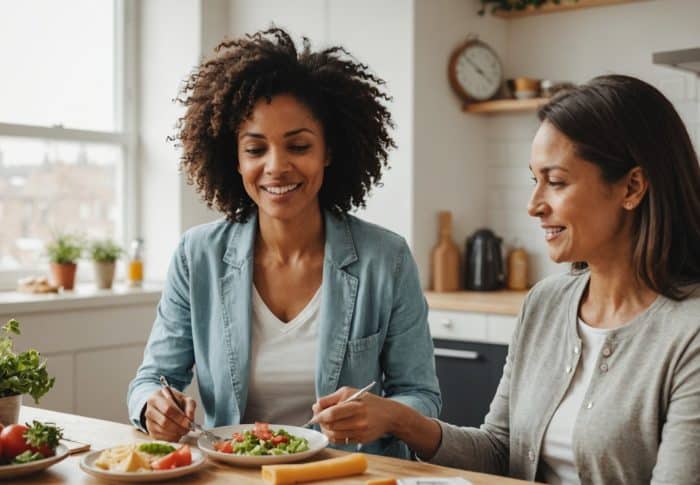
(484, 262)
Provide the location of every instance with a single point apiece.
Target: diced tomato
(224, 446)
(183, 456)
(276, 440)
(262, 431)
(238, 437)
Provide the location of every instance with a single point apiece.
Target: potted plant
(23, 373)
(64, 252)
(104, 255)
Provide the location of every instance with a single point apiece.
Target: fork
(357, 395)
(193, 425)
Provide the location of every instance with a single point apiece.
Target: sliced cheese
(343, 466)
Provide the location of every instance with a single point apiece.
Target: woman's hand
(360, 421)
(164, 420)
(371, 417)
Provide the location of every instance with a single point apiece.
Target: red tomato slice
(183, 456)
(166, 463)
(12, 439)
(178, 458)
(238, 437)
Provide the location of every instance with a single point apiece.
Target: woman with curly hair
(288, 298)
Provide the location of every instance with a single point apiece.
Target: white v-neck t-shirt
(558, 462)
(281, 386)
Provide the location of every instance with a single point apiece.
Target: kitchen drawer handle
(456, 354)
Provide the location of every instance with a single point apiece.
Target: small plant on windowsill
(105, 254)
(510, 5)
(64, 251)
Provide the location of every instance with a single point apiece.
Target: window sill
(84, 296)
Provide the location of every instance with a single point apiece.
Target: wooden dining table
(102, 434)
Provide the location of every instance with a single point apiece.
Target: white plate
(317, 442)
(87, 464)
(12, 471)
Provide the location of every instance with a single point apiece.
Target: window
(65, 163)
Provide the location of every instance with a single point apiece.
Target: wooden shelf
(565, 6)
(504, 105)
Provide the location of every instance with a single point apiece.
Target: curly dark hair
(343, 96)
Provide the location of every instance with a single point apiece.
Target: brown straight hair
(618, 123)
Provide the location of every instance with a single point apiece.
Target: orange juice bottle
(135, 269)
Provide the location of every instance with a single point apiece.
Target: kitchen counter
(502, 302)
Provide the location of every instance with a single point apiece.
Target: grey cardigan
(640, 420)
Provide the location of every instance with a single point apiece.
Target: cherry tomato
(12, 439)
(238, 437)
(44, 450)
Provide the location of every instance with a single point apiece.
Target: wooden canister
(517, 269)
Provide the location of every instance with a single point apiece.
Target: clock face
(478, 72)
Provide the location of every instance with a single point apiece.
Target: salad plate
(13, 471)
(87, 464)
(316, 442)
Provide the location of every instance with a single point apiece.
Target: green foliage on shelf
(509, 5)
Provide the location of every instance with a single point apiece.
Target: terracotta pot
(9, 409)
(104, 274)
(64, 274)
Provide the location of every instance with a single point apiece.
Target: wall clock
(475, 71)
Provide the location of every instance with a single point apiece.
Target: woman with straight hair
(602, 379)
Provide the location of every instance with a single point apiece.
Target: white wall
(169, 206)
(449, 146)
(576, 46)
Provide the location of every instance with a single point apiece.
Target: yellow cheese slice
(343, 466)
(134, 462)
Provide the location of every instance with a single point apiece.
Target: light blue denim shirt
(373, 321)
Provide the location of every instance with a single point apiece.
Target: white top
(281, 386)
(558, 462)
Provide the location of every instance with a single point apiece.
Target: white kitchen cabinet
(471, 327)
(103, 376)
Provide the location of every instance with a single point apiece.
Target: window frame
(125, 136)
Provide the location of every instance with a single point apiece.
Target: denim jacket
(373, 321)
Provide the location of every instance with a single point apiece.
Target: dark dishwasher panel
(469, 373)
